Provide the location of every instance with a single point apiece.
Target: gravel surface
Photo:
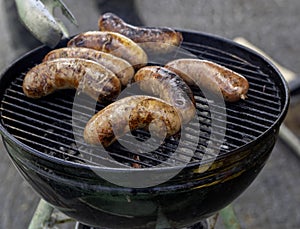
(273, 200)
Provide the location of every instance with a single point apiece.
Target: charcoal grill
(40, 140)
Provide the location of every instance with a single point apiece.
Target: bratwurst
(130, 113)
(169, 87)
(155, 40)
(84, 75)
(214, 77)
(123, 70)
(113, 43)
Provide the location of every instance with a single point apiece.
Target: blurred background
(273, 199)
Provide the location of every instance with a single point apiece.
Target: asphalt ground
(273, 199)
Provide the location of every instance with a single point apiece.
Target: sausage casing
(123, 70)
(113, 43)
(169, 87)
(212, 76)
(84, 75)
(156, 40)
(130, 113)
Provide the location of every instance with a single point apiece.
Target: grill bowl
(200, 189)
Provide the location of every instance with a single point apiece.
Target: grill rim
(281, 82)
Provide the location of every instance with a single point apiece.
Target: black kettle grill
(39, 139)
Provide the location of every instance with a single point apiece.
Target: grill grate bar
(59, 153)
(204, 50)
(251, 127)
(264, 113)
(39, 143)
(63, 150)
(146, 159)
(63, 138)
(44, 110)
(68, 110)
(54, 119)
(59, 103)
(250, 123)
(115, 153)
(231, 115)
(255, 79)
(228, 61)
(270, 112)
(234, 125)
(267, 86)
(267, 99)
(49, 130)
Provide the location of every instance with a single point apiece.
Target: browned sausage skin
(130, 113)
(212, 76)
(84, 75)
(157, 40)
(113, 43)
(123, 70)
(169, 87)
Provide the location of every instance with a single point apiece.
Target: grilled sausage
(113, 43)
(123, 70)
(212, 76)
(157, 40)
(169, 87)
(85, 75)
(130, 113)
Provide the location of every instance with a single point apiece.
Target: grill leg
(162, 221)
(229, 218)
(41, 216)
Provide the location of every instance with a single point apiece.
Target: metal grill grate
(46, 124)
